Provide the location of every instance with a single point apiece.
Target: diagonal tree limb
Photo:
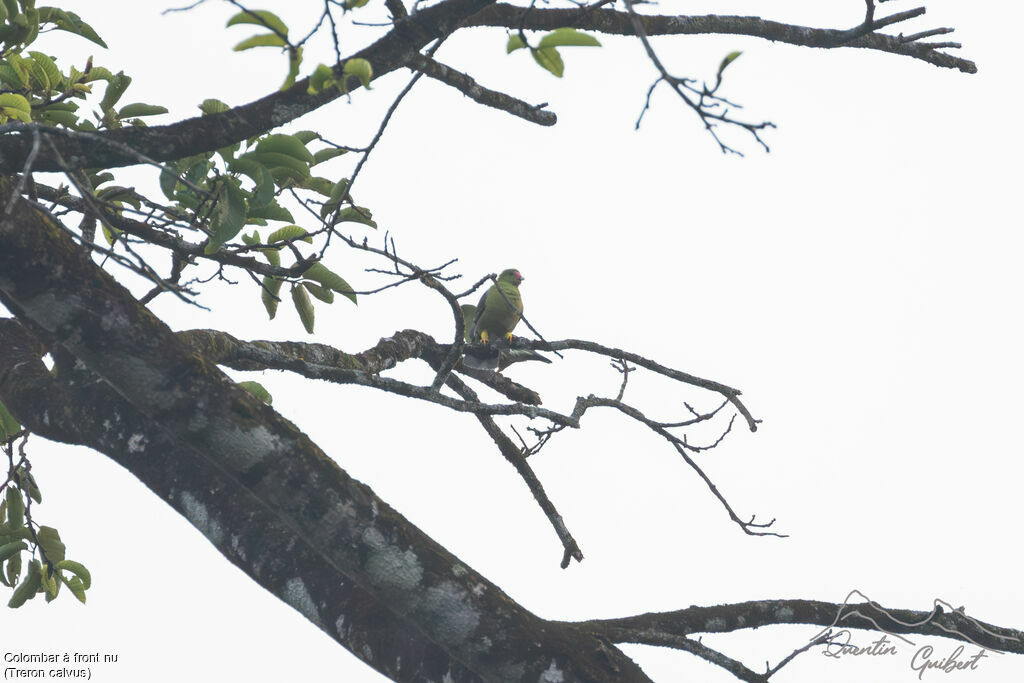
(128, 146)
(516, 457)
(221, 456)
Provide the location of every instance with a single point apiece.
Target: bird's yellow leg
(483, 336)
(508, 336)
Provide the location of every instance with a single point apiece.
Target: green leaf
(515, 42)
(212, 106)
(28, 484)
(49, 539)
(304, 306)
(54, 77)
(78, 570)
(319, 184)
(8, 551)
(289, 232)
(257, 390)
(74, 585)
(15, 106)
(262, 40)
(64, 118)
(329, 153)
(270, 293)
(272, 255)
(321, 79)
(361, 69)
(285, 144)
(40, 79)
(8, 425)
(271, 211)
(13, 569)
(356, 214)
(568, 36)
(321, 292)
(29, 586)
(70, 22)
(549, 58)
(281, 165)
(116, 86)
(51, 584)
(140, 109)
(727, 60)
(318, 272)
(168, 182)
(11, 77)
(338, 193)
(263, 192)
(294, 62)
(229, 215)
(98, 73)
(15, 508)
(306, 136)
(259, 17)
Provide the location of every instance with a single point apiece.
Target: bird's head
(511, 276)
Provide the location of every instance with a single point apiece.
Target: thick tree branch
(616, 22)
(130, 145)
(654, 628)
(220, 456)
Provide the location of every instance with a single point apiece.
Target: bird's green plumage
(500, 308)
(468, 318)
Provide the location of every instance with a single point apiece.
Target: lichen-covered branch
(664, 628)
(617, 22)
(128, 146)
(324, 543)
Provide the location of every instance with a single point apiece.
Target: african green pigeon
(493, 319)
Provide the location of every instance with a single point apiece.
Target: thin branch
(465, 84)
(732, 395)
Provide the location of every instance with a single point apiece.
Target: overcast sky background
(861, 284)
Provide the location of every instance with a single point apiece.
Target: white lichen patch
(784, 614)
(389, 566)
(451, 616)
(296, 595)
(200, 517)
(143, 381)
(283, 113)
(339, 627)
(50, 311)
(552, 675)
(243, 448)
(236, 546)
(715, 625)
(137, 443)
(113, 321)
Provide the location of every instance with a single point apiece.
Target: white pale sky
(861, 284)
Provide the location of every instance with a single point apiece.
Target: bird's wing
(468, 320)
(474, 332)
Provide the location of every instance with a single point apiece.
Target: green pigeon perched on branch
(493, 319)
(500, 308)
